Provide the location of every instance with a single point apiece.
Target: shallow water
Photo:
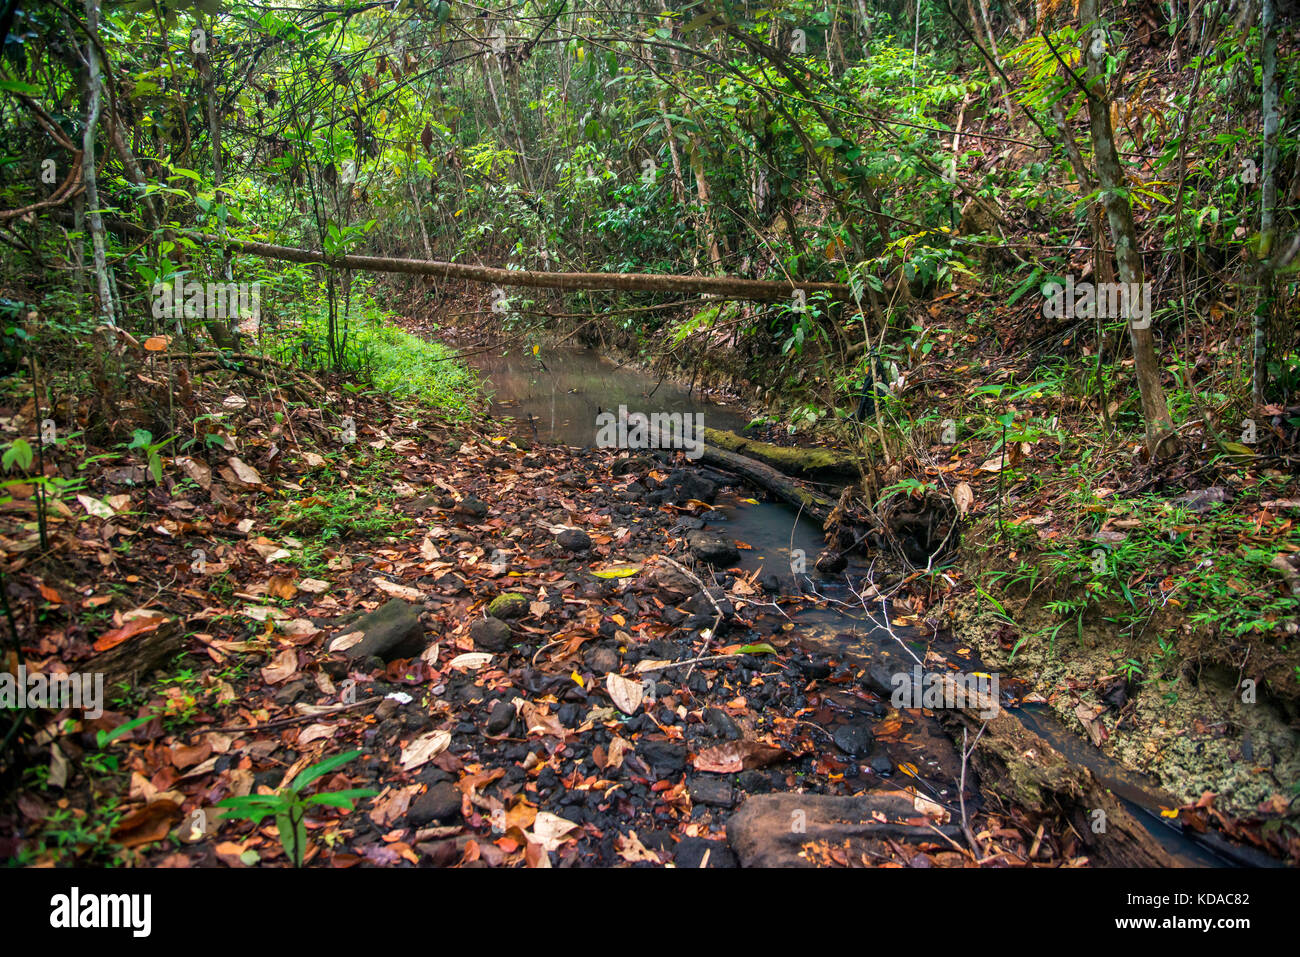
(557, 395)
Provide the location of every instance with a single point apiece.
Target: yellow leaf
(909, 769)
(578, 678)
(616, 571)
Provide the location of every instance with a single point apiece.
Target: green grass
(389, 359)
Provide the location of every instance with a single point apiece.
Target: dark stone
(666, 757)
(391, 631)
(291, 692)
(688, 485)
(491, 634)
(713, 549)
(754, 782)
(634, 492)
(815, 670)
(713, 791)
(830, 562)
(574, 539)
(635, 463)
(721, 725)
(440, 803)
(881, 763)
(471, 506)
(502, 716)
(855, 738)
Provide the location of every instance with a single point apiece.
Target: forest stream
(557, 401)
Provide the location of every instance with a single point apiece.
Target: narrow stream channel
(556, 400)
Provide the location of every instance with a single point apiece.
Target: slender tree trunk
(93, 100)
(1119, 213)
(702, 192)
(223, 331)
(679, 184)
(1268, 202)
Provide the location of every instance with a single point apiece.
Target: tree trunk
(1119, 213)
(1268, 202)
(103, 288)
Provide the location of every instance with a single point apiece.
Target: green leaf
(103, 738)
(762, 648)
(289, 837)
(341, 799)
(18, 452)
(324, 767)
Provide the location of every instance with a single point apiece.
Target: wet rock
(509, 605)
(491, 634)
(721, 725)
(701, 605)
(391, 631)
(635, 492)
(713, 549)
(854, 739)
(634, 463)
(502, 716)
(698, 852)
(574, 539)
(830, 562)
(771, 829)
(688, 485)
(671, 584)
(814, 670)
(440, 803)
(291, 692)
(667, 758)
(881, 763)
(711, 791)
(754, 782)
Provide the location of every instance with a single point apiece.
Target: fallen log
(137, 656)
(765, 477)
(1023, 769)
(757, 290)
(792, 461)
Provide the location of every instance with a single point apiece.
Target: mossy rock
(509, 605)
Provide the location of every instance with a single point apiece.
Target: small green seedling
(290, 809)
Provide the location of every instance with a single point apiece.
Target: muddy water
(556, 399)
(557, 395)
